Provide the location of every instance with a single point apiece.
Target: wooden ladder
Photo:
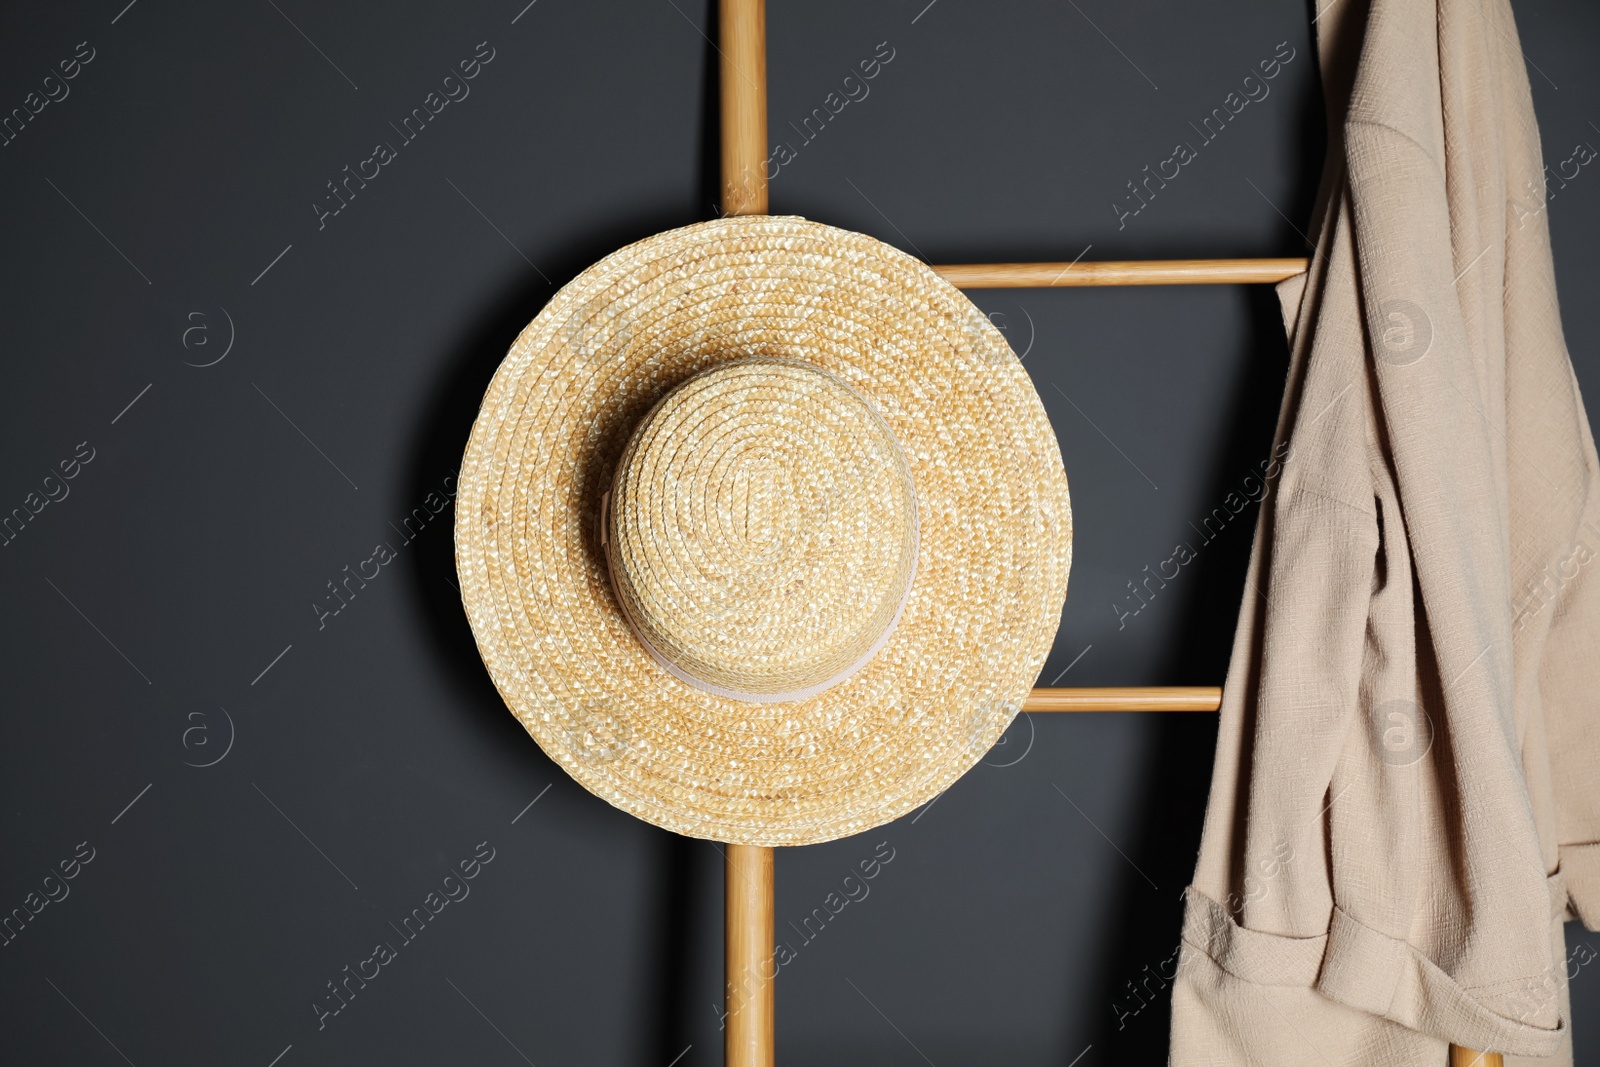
(748, 876)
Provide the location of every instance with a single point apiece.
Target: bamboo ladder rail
(749, 1038)
(749, 872)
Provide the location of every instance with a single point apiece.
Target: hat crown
(762, 530)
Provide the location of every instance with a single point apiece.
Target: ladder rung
(1121, 272)
(1126, 698)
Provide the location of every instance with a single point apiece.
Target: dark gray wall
(159, 616)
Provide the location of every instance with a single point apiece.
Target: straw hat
(762, 531)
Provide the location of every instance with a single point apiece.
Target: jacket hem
(1364, 969)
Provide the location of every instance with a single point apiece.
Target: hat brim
(993, 556)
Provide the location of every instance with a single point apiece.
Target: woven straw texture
(763, 530)
(921, 395)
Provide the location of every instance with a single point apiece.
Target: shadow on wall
(438, 443)
(1139, 957)
(440, 440)
(1134, 995)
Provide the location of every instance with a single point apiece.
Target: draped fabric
(1406, 797)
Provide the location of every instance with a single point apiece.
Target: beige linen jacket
(1406, 796)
